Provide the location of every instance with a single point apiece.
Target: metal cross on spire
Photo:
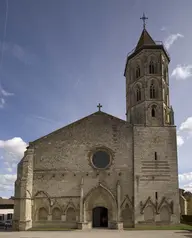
(144, 18)
(99, 106)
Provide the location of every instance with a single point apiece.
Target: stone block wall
(155, 174)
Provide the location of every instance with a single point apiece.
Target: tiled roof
(145, 39)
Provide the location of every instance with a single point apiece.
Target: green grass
(176, 227)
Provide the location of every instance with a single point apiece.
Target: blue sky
(61, 58)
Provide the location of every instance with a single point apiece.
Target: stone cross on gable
(99, 107)
(144, 18)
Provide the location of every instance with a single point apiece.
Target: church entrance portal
(100, 217)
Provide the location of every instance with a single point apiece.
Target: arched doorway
(100, 217)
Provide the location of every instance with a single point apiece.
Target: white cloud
(182, 72)
(186, 125)
(171, 39)
(2, 102)
(185, 177)
(185, 181)
(188, 187)
(180, 140)
(15, 145)
(3, 94)
(184, 131)
(163, 28)
(13, 152)
(22, 54)
(7, 182)
(19, 52)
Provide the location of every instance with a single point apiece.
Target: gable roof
(76, 122)
(145, 39)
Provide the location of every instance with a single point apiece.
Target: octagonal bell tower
(147, 83)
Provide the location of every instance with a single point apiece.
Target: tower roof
(144, 40)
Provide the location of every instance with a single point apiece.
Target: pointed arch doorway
(100, 217)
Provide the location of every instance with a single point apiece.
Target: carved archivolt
(100, 186)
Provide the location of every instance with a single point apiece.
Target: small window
(152, 91)
(138, 93)
(151, 67)
(9, 216)
(153, 111)
(155, 155)
(137, 72)
(156, 195)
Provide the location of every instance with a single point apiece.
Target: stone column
(119, 223)
(63, 217)
(118, 201)
(81, 201)
(49, 218)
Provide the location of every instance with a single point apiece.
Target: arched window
(164, 73)
(132, 74)
(137, 73)
(153, 111)
(138, 93)
(152, 67)
(152, 91)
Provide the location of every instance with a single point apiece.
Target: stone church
(102, 171)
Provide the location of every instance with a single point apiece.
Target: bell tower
(147, 83)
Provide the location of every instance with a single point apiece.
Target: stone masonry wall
(163, 178)
(63, 158)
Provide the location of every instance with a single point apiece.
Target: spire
(145, 38)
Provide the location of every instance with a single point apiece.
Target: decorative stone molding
(157, 206)
(148, 202)
(127, 201)
(44, 195)
(102, 186)
(164, 202)
(101, 148)
(70, 204)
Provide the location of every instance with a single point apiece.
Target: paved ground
(96, 233)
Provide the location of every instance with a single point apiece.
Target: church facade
(102, 171)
